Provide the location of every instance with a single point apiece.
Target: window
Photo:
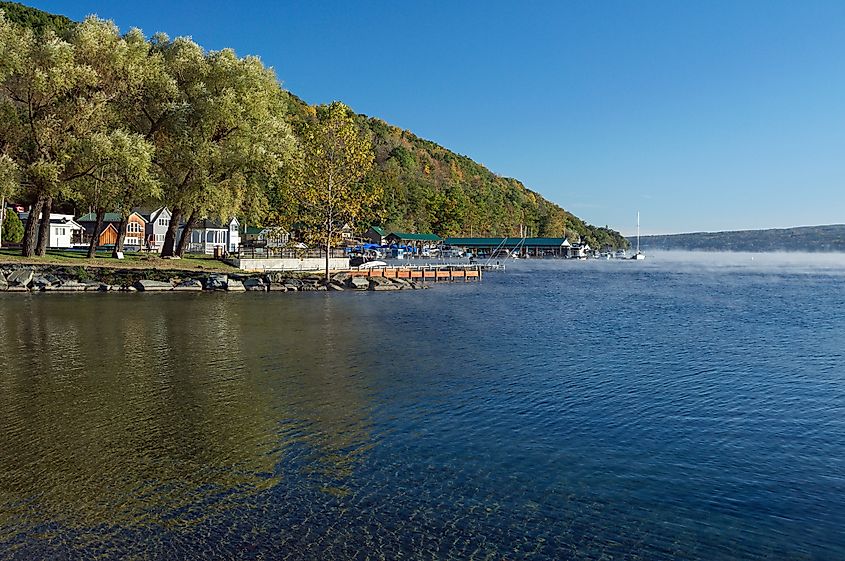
(162, 221)
(133, 228)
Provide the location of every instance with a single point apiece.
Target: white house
(157, 222)
(210, 234)
(65, 232)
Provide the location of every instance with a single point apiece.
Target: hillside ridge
(429, 187)
(830, 237)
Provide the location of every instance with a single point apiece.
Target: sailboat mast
(638, 231)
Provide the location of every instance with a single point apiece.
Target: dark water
(661, 410)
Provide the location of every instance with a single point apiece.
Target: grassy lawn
(132, 260)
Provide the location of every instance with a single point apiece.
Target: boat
(639, 255)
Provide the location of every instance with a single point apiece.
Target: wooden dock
(424, 273)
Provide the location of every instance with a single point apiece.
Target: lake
(685, 407)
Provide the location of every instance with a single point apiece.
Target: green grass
(132, 260)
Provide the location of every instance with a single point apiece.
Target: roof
(416, 237)
(151, 215)
(378, 230)
(108, 217)
(507, 242)
(55, 219)
(253, 230)
(92, 217)
(209, 224)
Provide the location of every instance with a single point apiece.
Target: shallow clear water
(678, 408)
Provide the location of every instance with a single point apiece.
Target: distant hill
(804, 238)
(36, 19)
(430, 188)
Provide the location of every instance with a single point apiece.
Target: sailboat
(638, 256)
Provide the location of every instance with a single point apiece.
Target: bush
(12, 227)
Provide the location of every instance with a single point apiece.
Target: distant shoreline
(803, 239)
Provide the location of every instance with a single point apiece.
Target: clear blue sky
(701, 115)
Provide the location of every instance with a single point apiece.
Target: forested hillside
(804, 238)
(425, 186)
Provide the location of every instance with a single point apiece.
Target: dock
(424, 273)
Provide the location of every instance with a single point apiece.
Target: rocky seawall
(28, 278)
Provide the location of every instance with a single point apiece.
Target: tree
(44, 118)
(336, 155)
(119, 161)
(8, 186)
(12, 228)
(219, 131)
(59, 100)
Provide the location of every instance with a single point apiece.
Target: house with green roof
(136, 227)
(376, 235)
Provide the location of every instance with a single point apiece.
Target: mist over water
(776, 262)
(691, 406)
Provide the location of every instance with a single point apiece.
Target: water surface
(686, 407)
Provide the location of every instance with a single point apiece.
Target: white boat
(638, 256)
(372, 264)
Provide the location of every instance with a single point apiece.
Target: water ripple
(666, 410)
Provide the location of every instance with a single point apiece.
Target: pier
(424, 273)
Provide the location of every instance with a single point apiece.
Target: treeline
(803, 238)
(106, 121)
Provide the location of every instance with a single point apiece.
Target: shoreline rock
(66, 279)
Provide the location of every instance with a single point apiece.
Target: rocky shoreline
(46, 278)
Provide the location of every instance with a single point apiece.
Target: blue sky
(701, 115)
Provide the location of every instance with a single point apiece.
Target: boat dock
(424, 273)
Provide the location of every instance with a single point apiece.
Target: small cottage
(65, 232)
(209, 235)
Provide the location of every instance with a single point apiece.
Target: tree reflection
(127, 410)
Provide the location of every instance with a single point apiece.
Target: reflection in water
(124, 412)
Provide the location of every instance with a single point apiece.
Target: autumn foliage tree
(336, 155)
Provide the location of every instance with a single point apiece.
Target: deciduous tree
(336, 155)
